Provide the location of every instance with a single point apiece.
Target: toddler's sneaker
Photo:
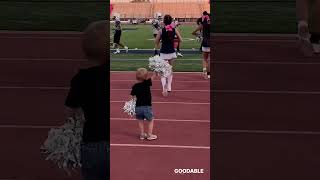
(152, 137)
(179, 54)
(143, 136)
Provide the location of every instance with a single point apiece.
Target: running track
(266, 116)
(266, 109)
(34, 78)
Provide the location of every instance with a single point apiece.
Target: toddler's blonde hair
(141, 74)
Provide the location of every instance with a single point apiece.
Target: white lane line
(267, 62)
(132, 72)
(164, 120)
(257, 40)
(163, 102)
(160, 146)
(42, 59)
(119, 59)
(253, 35)
(67, 88)
(42, 37)
(186, 81)
(265, 132)
(35, 87)
(266, 92)
(41, 32)
(24, 126)
(176, 90)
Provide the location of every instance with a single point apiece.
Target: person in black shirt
(141, 91)
(88, 93)
(205, 45)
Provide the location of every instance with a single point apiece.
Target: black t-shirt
(89, 92)
(142, 91)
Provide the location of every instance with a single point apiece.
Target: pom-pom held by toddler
(63, 144)
(160, 66)
(129, 107)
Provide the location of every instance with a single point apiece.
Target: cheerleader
(175, 24)
(308, 13)
(156, 27)
(117, 37)
(205, 45)
(167, 51)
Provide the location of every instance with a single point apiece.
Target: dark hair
(94, 42)
(205, 13)
(167, 19)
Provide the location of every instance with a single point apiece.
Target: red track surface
(266, 110)
(35, 70)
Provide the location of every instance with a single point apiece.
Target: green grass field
(141, 36)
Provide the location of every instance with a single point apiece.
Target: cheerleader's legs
(170, 77)
(206, 64)
(167, 82)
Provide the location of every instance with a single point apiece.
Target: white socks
(166, 83)
(169, 82)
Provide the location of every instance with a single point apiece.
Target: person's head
(141, 74)
(167, 19)
(94, 42)
(205, 13)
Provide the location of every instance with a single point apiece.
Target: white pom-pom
(63, 143)
(129, 107)
(160, 66)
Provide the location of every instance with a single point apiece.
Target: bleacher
(185, 10)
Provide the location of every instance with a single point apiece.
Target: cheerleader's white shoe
(127, 49)
(179, 54)
(117, 51)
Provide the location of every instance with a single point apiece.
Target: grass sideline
(189, 63)
(141, 36)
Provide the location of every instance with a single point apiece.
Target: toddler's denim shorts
(144, 113)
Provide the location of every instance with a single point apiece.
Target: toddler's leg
(141, 129)
(151, 136)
